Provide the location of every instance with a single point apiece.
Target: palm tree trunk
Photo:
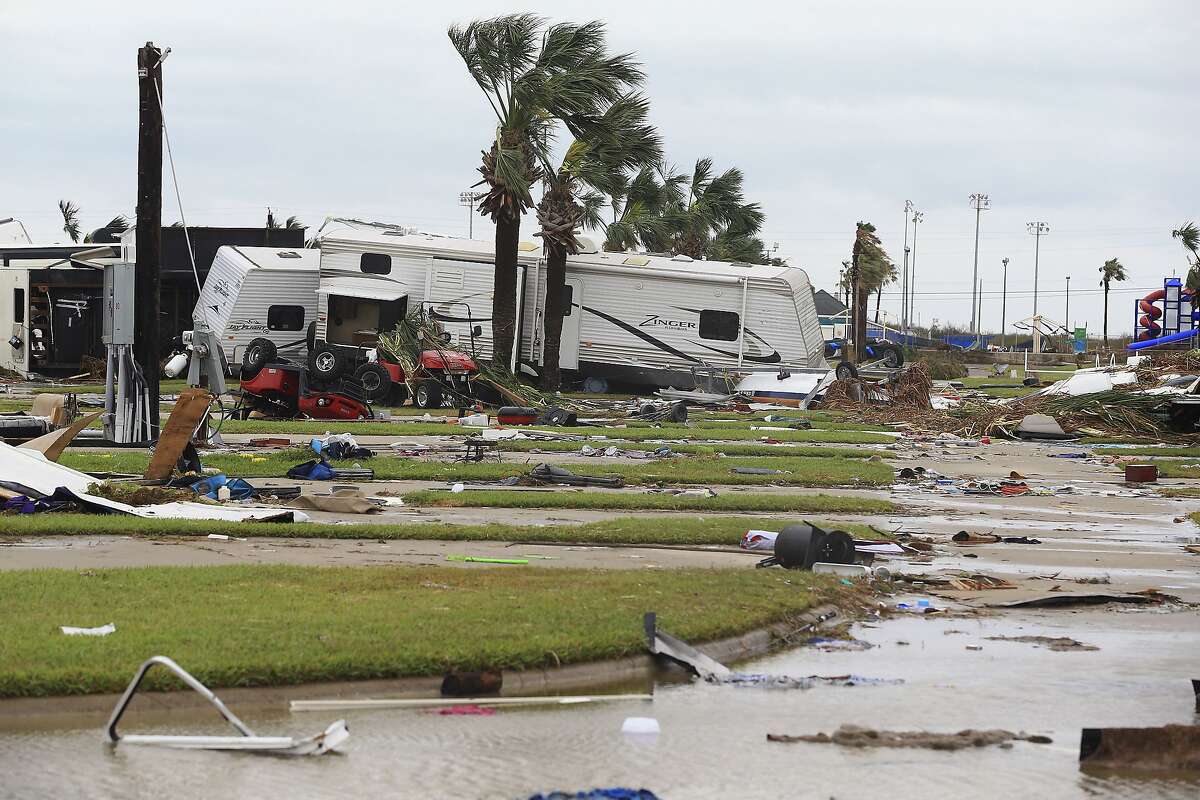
(504, 298)
(556, 287)
(878, 297)
(1106, 315)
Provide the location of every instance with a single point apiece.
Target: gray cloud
(1078, 115)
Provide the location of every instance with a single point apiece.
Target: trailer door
(568, 349)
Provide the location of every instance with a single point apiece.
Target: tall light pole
(1003, 300)
(979, 202)
(1037, 230)
(917, 218)
(468, 199)
(979, 312)
(1067, 310)
(908, 209)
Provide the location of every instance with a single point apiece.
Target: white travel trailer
(260, 292)
(632, 318)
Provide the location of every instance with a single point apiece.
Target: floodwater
(713, 740)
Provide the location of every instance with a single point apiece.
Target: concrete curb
(76, 711)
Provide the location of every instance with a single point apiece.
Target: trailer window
(723, 326)
(568, 299)
(375, 263)
(18, 305)
(285, 318)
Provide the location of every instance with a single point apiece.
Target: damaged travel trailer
(51, 306)
(260, 293)
(632, 318)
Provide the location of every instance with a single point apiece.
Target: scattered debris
(1059, 644)
(857, 736)
(324, 742)
(103, 630)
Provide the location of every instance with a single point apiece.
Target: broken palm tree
(421, 331)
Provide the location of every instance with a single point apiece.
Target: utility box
(118, 304)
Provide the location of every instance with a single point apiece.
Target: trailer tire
(893, 356)
(375, 380)
(429, 395)
(845, 371)
(259, 353)
(326, 364)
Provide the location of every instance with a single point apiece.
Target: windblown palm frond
(1189, 236)
(294, 223)
(70, 215)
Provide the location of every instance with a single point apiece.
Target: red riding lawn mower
(341, 381)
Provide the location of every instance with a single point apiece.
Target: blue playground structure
(1176, 322)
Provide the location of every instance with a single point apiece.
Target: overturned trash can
(802, 545)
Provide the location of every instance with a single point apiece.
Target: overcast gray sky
(1077, 114)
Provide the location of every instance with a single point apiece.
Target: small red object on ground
(1141, 473)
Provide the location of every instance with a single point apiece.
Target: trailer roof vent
(586, 244)
(742, 264)
(636, 261)
(527, 247)
(682, 257)
(288, 254)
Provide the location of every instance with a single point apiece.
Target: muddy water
(712, 743)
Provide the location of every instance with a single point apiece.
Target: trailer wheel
(375, 380)
(326, 364)
(893, 356)
(845, 371)
(429, 395)
(259, 353)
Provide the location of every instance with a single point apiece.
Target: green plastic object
(478, 560)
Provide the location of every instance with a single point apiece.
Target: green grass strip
(728, 448)
(1167, 469)
(281, 625)
(1182, 492)
(665, 529)
(740, 501)
(1179, 452)
(797, 471)
(377, 428)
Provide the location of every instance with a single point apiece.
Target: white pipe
(742, 321)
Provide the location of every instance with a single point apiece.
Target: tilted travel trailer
(50, 307)
(638, 319)
(260, 292)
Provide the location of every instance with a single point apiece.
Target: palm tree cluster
(542, 79)
(105, 234)
(698, 214)
(1189, 236)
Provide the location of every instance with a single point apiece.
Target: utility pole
(1036, 230)
(1004, 301)
(979, 202)
(1067, 310)
(917, 218)
(908, 209)
(148, 237)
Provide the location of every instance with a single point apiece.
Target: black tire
(429, 395)
(259, 353)
(399, 395)
(326, 364)
(310, 337)
(893, 356)
(375, 380)
(845, 371)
